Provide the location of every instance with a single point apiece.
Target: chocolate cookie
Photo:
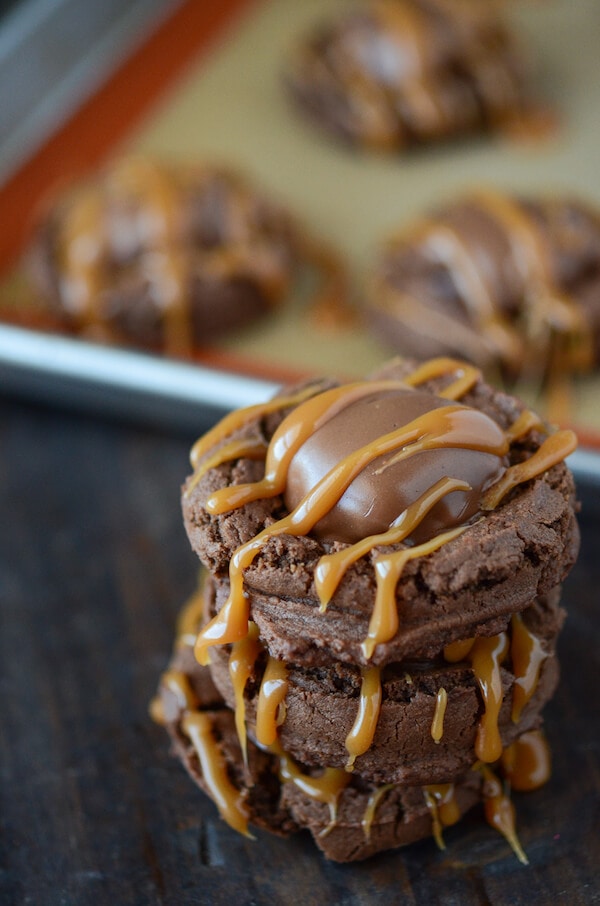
(167, 257)
(511, 283)
(392, 74)
(381, 615)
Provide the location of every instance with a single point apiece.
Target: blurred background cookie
(392, 74)
(511, 283)
(167, 257)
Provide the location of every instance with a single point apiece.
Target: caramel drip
(468, 376)
(178, 683)
(528, 655)
(437, 724)
(526, 422)
(242, 448)
(458, 651)
(271, 698)
(371, 808)
(527, 762)
(441, 801)
(486, 655)
(331, 567)
(500, 812)
(325, 788)
(553, 450)
(242, 659)
(229, 800)
(238, 419)
(361, 735)
(383, 624)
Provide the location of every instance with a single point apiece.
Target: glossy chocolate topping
(386, 487)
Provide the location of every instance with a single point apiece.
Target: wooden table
(94, 565)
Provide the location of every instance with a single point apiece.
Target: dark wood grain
(94, 565)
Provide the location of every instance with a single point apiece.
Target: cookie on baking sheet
(393, 74)
(511, 283)
(169, 256)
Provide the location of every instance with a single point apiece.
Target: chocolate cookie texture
(169, 256)
(392, 74)
(388, 676)
(511, 283)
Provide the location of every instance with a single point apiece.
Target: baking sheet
(230, 107)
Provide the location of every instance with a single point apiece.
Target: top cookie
(377, 536)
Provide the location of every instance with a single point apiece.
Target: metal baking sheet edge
(114, 381)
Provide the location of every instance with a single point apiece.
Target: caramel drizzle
(437, 724)
(553, 450)
(271, 701)
(440, 799)
(238, 419)
(242, 659)
(371, 808)
(229, 800)
(500, 811)
(360, 737)
(178, 683)
(527, 762)
(325, 788)
(485, 655)
(527, 655)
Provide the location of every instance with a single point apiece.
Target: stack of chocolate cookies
(374, 638)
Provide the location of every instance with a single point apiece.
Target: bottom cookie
(349, 817)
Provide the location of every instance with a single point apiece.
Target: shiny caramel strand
(437, 724)
(360, 737)
(486, 656)
(326, 787)
(527, 655)
(271, 701)
(443, 807)
(500, 811)
(229, 800)
(553, 450)
(242, 659)
(371, 808)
